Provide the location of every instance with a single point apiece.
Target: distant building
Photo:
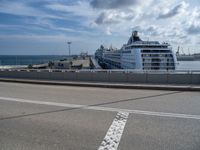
(84, 54)
(61, 64)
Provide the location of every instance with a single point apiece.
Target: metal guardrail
(111, 76)
(108, 71)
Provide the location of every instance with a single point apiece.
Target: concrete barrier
(83, 76)
(105, 76)
(137, 77)
(69, 76)
(195, 78)
(157, 78)
(100, 76)
(182, 79)
(118, 77)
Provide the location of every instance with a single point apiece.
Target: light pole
(69, 43)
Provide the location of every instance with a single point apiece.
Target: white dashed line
(141, 112)
(113, 136)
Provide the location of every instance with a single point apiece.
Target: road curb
(106, 85)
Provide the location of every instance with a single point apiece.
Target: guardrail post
(190, 76)
(167, 77)
(146, 77)
(126, 74)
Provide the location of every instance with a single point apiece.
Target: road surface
(44, 117)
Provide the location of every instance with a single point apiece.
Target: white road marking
(149, 113)
(40, 102)
(113, 136)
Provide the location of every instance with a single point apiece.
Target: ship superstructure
(140, 55)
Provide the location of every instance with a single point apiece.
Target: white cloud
(178, 9)
(194, 28)
(115, 19)
(117, 4)
(80, 8)
(22, 9)
(108, 32)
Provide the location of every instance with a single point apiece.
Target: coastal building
(138, 54)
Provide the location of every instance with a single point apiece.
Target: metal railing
(108, 71)
(190, 77)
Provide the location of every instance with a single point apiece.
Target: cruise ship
(138, 54)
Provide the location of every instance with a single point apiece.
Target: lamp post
(69, 43)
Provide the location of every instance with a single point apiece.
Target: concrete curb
(105, 85)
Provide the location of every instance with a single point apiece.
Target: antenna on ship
(182, 51)
(69, 43)
(178, 51)
(111, 48)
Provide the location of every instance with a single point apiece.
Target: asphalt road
(41, 117)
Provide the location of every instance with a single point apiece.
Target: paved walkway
(69, 117)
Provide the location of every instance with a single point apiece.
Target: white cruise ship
(138, 54)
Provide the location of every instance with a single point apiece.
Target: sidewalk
(106, 85)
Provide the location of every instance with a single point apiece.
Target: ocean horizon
(13, 60)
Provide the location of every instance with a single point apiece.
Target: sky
(43, 27)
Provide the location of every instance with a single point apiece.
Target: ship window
(126, 52)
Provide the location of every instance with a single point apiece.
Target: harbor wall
(106, 76)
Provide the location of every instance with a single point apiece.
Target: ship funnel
(135, 36)
(135, 33)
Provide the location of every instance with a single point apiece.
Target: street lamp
(69, 43)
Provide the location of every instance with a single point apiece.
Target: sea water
(13, 60)
(188, 65)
